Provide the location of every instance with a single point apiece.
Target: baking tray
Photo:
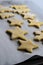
(34, 60)
(8, 49)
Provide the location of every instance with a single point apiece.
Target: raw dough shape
(17, 33)
(28, 15)
(15, 22)
(6, 9)
(38, 35)
(19, 11)
(34, 23)
(27, 45)
(6, 15)
(18, 6)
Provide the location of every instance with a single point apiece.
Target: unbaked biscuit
(6, 15)
(6, 9)
(19, 11)
(28, 16)
(15, 22)
(34, 23)
(17, 33)
(38, 35)
(27, 45)
(18, 6)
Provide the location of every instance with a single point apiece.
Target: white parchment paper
(8, 49)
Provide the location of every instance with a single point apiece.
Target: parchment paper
(8, 49)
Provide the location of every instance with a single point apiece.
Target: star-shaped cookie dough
(15, 22)
(20, 11)
(6, 9)
(27, 45)
(18, 6)
(28, 15)
(17, 33)
(38, 35)
(6, 15)
(34, 23)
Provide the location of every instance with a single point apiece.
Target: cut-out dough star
(38, 35)
(34, 23)
(19, 6)
(27, 45)
(6, 9)
(6, 15)
(28, 15)
(20, 11)
(17, 33)
(15, 22)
